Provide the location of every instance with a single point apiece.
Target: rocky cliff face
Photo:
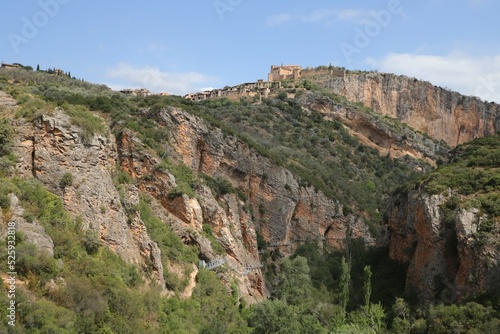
(31, 231)
(231, 225)
(447, 258)
(285, 212)
(51, 147)
(383, 134)
(442, 114)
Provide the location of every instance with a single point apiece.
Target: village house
(9, 66)
(136, 92)
(284, 72)
(261, 88)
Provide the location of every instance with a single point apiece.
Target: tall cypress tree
(367, 285)
(345, 280)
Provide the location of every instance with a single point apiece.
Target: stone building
(260, 89)
(9, 66)
(285, 72)
(136, 92)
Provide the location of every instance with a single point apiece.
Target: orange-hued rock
(51, 147)
(438, 112)
(445, 260)
(232, 227)
(286, 212)
(387, 136)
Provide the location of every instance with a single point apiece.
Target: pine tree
(38, 67)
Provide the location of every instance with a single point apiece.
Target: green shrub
(32, 107)
(87, 121)
(171, 246)
(91, 242)
(4, 201)
(6, 137)
(184, 178)
(219, 185)
(217, 247)
(66, 180)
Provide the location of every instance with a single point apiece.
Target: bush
(91, 242)
(219, 185)
(4, 201)
(32, 107)
(6, 134)
(87, 121)
(184, 178)
(66, 180)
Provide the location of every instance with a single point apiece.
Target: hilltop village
(261, 88)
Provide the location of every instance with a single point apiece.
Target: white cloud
(152, 78)
(327, 15)
(279, 19)
(477, 76)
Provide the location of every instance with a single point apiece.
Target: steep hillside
(158, 214)
(446, 226)
(349, 153)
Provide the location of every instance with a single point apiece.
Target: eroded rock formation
(447, 259)
(51, 147)
(438, 112)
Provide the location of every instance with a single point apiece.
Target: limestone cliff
(386, 135)
(231, 225)
(50, 147)
(447, 258)
(284, 212)
(438, 112)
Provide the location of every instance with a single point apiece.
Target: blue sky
(187, 46)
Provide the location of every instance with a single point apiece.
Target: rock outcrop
(447, 259)
(285, 212)
(438, 112)
(386, 135)
(51, 147)
(32, 231)
(231, 225)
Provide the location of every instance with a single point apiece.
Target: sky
(193, 45)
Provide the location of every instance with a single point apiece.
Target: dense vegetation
(470, 180)
(86, 288)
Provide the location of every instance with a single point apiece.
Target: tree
(91, 242)
(274, 317)
(295, 286)
(367, 286)
(345, 279)
(38, 67)
(401, 322)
